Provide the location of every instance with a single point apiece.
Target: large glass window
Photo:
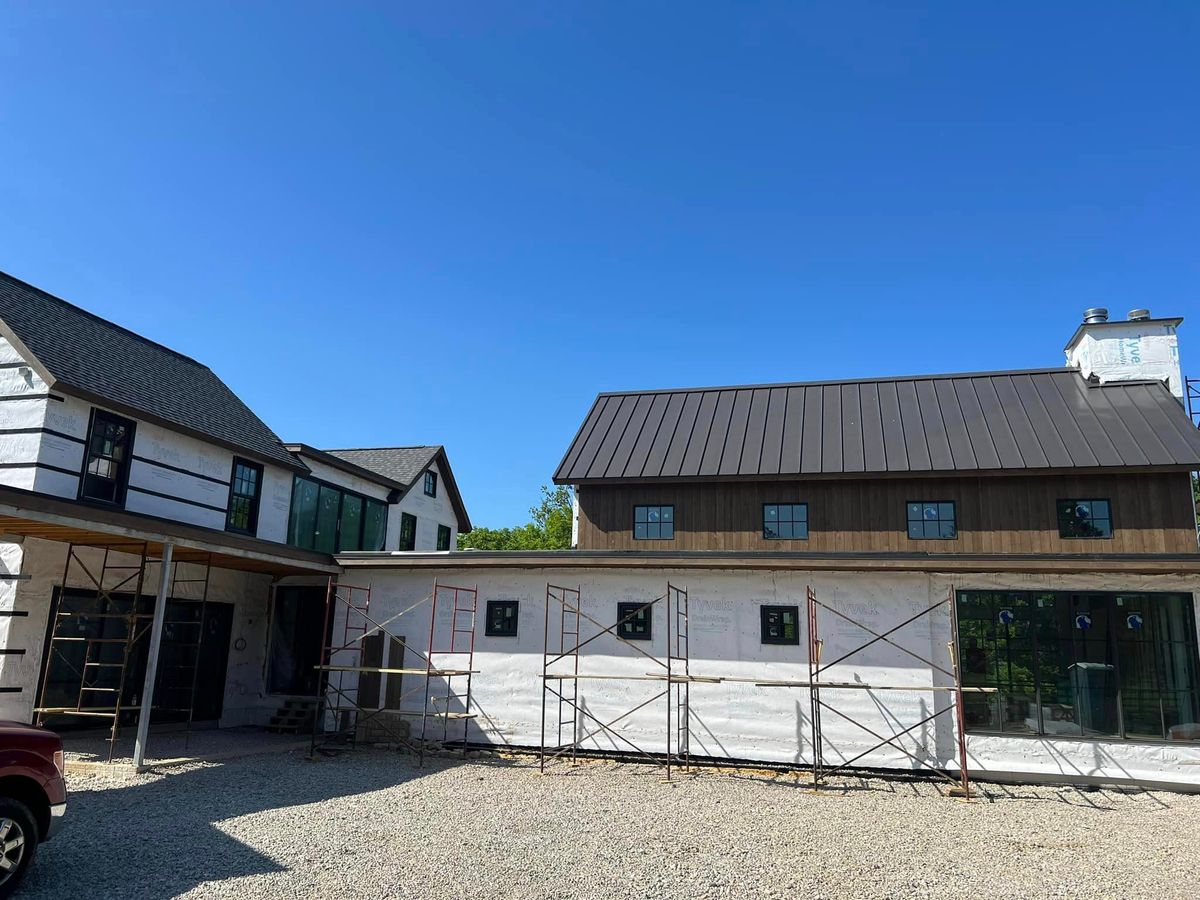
(785, 521)
(331, 520)
(1087, 664)
(245, 488)
(408, 531)
(654, 523)
(1084, 519)
(932, 520)
(106, 464)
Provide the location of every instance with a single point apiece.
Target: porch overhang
(28, 514)
(1116, 563)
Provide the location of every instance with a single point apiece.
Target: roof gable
(107, 364)
(1019, 420)
(405, 465)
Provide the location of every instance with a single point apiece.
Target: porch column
(156, 630)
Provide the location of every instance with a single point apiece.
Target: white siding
(430, 512)
(22, 409)
(743, 721)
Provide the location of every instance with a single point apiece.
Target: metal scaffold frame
(954, 690)
(563, 684)
(126, 590)
(342, 702)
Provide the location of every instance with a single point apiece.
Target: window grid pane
(785, 521)
(654, 523)
(931, 520)
(1086, 519)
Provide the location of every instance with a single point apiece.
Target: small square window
(932, 520)
(780, 624)
(431, 484)
(502, 618)
(785, 521)
(635, 621)
(654, 523)
(1085, 519)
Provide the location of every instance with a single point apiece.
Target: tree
(549, 530)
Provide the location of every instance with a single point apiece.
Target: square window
(785, 521)
(780, 624)
(654, 523)
(634, 621)
(932, 520)
(502, 618)
(1086, 519)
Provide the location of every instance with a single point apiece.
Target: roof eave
(1170, 320)
(350, 468)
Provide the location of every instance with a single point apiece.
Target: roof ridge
(941, 376)
(402, 447)
(101, 319)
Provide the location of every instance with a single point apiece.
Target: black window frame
(908, 520)
(121, 482)
(1075, 502)
(444, 530)
(625, 610)
(791, 521)
(251, 528)
(339, 543)
(659, 522)
(766, 611)
(405, 518)
(431, 480)
(493, 624)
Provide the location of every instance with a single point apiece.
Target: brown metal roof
(974, 422)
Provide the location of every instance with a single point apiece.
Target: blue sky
(456, 223)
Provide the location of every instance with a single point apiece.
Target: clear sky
(405, 223)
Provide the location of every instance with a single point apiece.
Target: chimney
(1142, 348)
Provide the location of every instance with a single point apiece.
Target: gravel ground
(371, 824)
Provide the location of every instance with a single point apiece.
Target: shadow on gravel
(159, 839)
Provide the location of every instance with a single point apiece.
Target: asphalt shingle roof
(1029, 419)
(402, 464)
(94, 356)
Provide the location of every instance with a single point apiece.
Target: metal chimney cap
(1138, 315)
(1097, 315)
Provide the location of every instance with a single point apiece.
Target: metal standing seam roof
(119, 368)
(974, 422)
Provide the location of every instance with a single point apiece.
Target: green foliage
(549, 530)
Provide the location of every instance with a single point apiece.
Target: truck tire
(18, 843)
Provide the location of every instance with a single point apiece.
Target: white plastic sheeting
(743, 721)
(1129, 351)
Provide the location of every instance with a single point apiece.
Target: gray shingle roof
(402, 464)
(111, 365)
(1032, 419)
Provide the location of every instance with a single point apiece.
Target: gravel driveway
(371, 824)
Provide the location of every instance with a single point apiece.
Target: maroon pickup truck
(33, 797)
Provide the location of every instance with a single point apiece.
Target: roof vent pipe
(1096, 316)
(1139, 315)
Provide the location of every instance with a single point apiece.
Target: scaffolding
(561, 676)
(343, 665)
(103, 669)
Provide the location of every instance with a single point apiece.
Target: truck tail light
(60, 763)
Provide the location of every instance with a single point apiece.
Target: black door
(214, 661)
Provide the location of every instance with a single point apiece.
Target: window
(1096, 664)
(501, 618)
(1084, 519)
(326, 518)
(634, 619)
(785, 521)
(780, 624)
(408, 531)
(443, 537)
(431, 484)
(932, 520)
(106, 463)
(654, 523)
(245, 488)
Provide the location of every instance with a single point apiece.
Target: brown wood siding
(1010, 514)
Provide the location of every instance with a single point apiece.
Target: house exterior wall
(41, 565)
(430, 512)
(1000, 514)
(23, 405)
(742, 720)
